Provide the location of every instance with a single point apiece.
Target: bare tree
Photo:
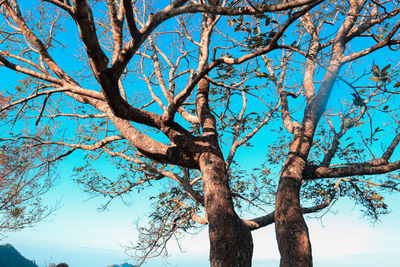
(215, 74)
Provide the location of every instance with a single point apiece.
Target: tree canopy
(176, 94)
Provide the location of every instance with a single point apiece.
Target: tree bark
(231, 242)
(290, 226)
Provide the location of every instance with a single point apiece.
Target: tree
(201, 63)
(23, 180)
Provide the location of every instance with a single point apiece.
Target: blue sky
(82, 236)
(77, 233)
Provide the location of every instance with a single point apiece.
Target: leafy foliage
(22, 183)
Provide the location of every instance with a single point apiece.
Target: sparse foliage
(173, 95)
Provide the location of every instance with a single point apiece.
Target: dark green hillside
(10, 257)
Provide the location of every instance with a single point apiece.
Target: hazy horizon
(91, 257)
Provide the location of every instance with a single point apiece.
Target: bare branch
(130, 19)
(37, 43)
(376, 166)
(63, 5)
(82, 14)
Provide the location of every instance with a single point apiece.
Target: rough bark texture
(230, 240)
(291, 228)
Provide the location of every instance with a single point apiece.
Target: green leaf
(375, 79)
(351, 144)
(385, 107)
(384, 70)
(376, 71)
(267, 21)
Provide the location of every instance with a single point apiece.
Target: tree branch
(117, 22)
(37, 43)
(376, 166)
(82, 14)
(62, 5)
(130, 20)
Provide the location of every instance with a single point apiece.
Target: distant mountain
(10, 257)
(122, 265)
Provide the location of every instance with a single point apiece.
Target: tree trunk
(231, 242)
(290, 226)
